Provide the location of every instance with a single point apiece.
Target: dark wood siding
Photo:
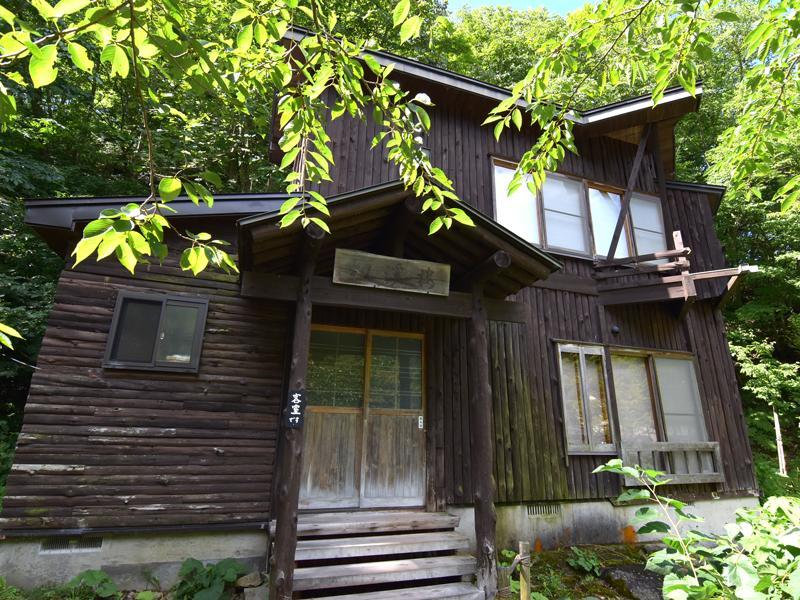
(131, 448)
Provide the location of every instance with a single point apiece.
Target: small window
(584, 394)
(648, 224)
(564, 218)
(152, 331)
(517, 212)
(605, 207)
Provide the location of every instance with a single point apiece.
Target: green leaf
(410, 28)
(321, 224)
(7, 16)
(85, 248)
(8, 330)
(199, 260)
(44, 9)
(118, 59)
(241, 14)
(400, 12)
(653, 527)
(516, 118)
(169, 188)
(67, 7)
(245, 38)
(435, 225)
(97, 227)
(109, 244)
(126, 257)
(212, 178)
(80, 58)
(727, 16)
(632, 495)
(289, 218)
(42, 66)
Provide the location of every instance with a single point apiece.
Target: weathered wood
(380, 545)
(494, 263)
(643, 258)
(525, 570)
(291, 457)
(347, 523)
(353, 267)
(443, 591)
(482, 447)
(388, 571)
(457, 304)
(626, 197)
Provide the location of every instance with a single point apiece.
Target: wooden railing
(681, 462)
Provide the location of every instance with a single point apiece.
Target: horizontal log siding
(109, 448)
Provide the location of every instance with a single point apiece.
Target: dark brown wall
(132, 448)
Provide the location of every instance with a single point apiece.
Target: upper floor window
(156, 331)
(585, 397)
(575, 216)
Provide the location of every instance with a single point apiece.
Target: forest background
(77, 137)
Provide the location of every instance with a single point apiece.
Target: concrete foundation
(132, 561)
(554, 525)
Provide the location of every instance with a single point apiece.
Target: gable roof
(366, 219)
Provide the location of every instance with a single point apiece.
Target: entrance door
(364, 443)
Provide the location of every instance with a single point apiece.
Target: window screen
(587, 419)
(605, 207)
(563, 213)
(516, 212)
(648, 224)
(395, 374)
(336, 369)
(153, 331)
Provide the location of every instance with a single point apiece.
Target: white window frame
(582, 350)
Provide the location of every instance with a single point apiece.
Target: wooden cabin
(379, 409)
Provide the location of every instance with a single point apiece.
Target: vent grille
(543, 508)
(66, 545)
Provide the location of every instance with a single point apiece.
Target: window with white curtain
(605, 207)
(564, 218)
(517, 212)
(648, 224)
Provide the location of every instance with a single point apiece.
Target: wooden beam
(291, 455)
(482, 446)
(325, 293)
(399, 225)
(662, 268)
(626, 198)
(619, 262)
(641, 294)
(493, 264)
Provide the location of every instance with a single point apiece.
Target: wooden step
(446, 591)
(387, 571)
(347, 523)
(380, 545)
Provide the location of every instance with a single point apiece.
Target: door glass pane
(634, 401)
(516, 212)
(563, 194)
(137, 329)
(395, 378)
(573, 400)
(605, 207)
(565, 231)
(600, 430)
(336, 369)
(680, 400)
(177, 339)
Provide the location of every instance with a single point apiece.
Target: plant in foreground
(758, 557)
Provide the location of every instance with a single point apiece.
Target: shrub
(585, 560)
(207, 582)
(758, 557)
(97, 581)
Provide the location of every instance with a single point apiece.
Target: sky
(558, 6)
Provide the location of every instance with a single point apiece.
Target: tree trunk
(779, 443)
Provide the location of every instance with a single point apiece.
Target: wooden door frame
(368, 334)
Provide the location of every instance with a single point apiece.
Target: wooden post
(291, 457)
(626, 198)
(482, 445)
(525, 570)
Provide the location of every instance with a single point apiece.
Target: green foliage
(757, 557)
(585, 560)
(8, 592)
(207, 582)
(97, 581)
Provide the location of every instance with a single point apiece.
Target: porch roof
(383, 219)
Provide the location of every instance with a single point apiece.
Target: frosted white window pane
(648, 242)
(565, 231)
(600, 430)
(605, 207)
(562, 194)
(680, 400)
(646, 213)
(573, 399)
(516, 212)
(634, 402)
